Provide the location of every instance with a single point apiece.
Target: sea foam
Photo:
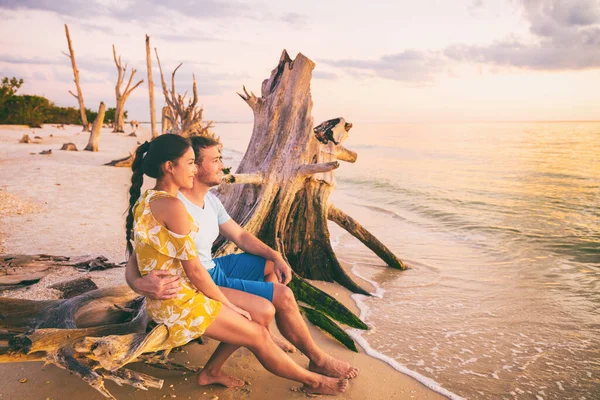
(356, 334)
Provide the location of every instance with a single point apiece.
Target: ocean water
(500, 224)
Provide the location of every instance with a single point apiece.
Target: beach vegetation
(34, 111)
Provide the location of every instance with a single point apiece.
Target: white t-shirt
(208, 219)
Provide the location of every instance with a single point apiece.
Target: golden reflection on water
(501, 223)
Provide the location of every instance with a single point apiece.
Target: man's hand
(282, 270)
(158, 285)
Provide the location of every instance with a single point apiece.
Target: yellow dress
(188, 314)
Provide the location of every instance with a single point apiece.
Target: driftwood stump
(286, 177)
(69, 147)
(96, 129)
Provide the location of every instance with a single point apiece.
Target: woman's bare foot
(335, 368)
(283, 344)
(330, 386)
(206, 377)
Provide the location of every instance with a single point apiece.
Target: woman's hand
(238, 310)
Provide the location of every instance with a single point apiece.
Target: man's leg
(262, 311)
(250, 274)
(243, 272)
(293, 328)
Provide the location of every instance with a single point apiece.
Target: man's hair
(203, 142)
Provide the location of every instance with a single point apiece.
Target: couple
(231, 299)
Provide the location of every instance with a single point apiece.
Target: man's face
(210, 169)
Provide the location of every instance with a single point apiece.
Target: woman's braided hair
(148, 160)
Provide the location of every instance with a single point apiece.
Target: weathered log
(251, 179)
(69, 147)
(79, 95)
(99, 263)
(96, 129)
(151, 89)
(165, 121)
(91, 335)
(74, 287)
(343, 154)
(17, 271)
(356, 230)
(122, 162)
(121, 97)
(22, 270)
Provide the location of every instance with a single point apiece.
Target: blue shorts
(245, 272)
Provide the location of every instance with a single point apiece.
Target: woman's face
(184, 169)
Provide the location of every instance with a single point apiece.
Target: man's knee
(283, 297)
(265, 313)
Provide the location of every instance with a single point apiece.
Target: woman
(162, 234)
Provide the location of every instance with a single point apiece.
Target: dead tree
(96, 129)
(184, 119)
(79, 95)
(165, 122)
(121, 97)
(151, 89)
(288, 174)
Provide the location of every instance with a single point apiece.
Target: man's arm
(157, 285)
(249, 243)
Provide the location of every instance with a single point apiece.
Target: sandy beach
(69, 203)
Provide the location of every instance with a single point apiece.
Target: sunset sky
(376, 61)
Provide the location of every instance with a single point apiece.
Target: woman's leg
(271, 277)
(262, 312)
(230, 327)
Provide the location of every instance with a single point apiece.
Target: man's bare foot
(335, 368)
(219, 378)
(330, 386)
(283, 344)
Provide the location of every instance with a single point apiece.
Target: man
(246, 279)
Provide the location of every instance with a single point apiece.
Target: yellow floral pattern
(188, 314)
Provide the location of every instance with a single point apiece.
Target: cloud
(295, 19)
(567, 34)
(5, 58)
(324, 75)
(414, 66)
(73, 8)
(158, 11)
(187, 37)
(566, 37)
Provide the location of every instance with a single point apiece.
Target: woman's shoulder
(171, 212)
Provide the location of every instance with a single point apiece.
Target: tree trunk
(151, 89)
(288, 170)
(121, 97)
(165, 122)
(96, 129)
(119, 119)
(79, 96)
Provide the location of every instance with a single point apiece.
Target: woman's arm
(173, 214)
